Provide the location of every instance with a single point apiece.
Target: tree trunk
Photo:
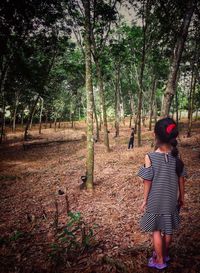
(144, 29)
(3, 119)
(4, 74)
(30, 118)
(96, 120)
(132, 107)
(177, 120)
(151, 103)
(117, 101)
(55, 122)
(103, 106)
(22, 117)
(155, 110)
(180, 115)
(191, 103)
(90, 99)
(59, 124)
(40, 118)
(31, 122)
(15, 111)
(72, 119)
(79, 113)
(177, 54)
(121, 104)
(100, 121)
(196, 115)
(46, 120)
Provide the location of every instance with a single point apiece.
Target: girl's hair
(166, 132)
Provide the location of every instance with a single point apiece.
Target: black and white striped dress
(162, 212)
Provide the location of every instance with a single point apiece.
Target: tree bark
(90, 99)
(177, 119)
(151, 103)
(117, 101)
(22, 117)
(177, 54)
(132, 107)
(15, 111)
(3, 79)
(30, 118)
(31, 122)
(96, 120)
(103, 105)
(121, 103)
(55, 122)
(40, 118)
(144, 29)
(191, 103)
(155, 110)
(46, 119)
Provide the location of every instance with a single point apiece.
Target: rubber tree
(90, 99)
(176, 58)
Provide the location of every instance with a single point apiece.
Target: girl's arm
(147, 187)
(181, 182)
(147, 184)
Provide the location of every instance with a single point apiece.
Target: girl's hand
(143, 206)
(181, 202)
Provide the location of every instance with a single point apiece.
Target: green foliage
(74, 238)
(15, 236)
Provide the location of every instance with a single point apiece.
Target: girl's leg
(158, 246)
(167, 242)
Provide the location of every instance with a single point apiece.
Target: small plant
(74, 238)
(5, 240)
(16, 235)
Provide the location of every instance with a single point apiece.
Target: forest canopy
(98, 60)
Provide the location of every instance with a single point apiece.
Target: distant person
(131, 140)
(163, 177)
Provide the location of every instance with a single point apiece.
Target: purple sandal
(166, 258)
(153, 264)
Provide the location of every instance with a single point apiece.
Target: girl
(163, 176)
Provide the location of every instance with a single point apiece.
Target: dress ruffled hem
(165, 222)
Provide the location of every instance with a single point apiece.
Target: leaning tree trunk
(90, 99)
(40, 118)
(30, 118)
(103, 106)
(151, 103)
(117, 101)
(177, 54)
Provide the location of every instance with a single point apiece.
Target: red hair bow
(170, 127)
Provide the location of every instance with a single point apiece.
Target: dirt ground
(30, 202)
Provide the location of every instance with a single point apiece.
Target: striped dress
(162, 211)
